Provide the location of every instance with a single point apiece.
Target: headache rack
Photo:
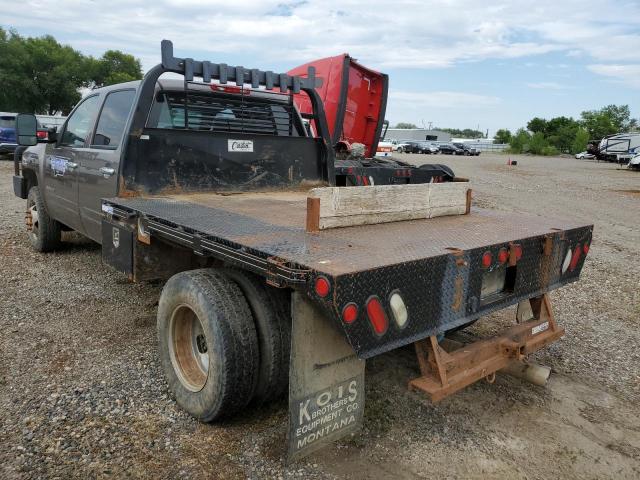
(200, 110)
(232, 111)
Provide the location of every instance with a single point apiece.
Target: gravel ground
(82, 395)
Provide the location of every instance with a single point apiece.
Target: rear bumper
(444, 292)
(8, 147)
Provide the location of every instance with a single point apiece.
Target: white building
(419, 134)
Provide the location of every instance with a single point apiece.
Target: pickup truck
(214, 185)
(467, 149)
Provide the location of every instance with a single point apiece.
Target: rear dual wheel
(223, 341)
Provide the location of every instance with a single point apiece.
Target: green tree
(464, 133)
(608, 120)
(40, 75)
(405, 125)
(537, 125)
(580, 141)
(519, 142)
(502, 136)
(115, 67)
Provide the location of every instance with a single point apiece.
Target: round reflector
(322, 287)
(350, 313)
(567, 261)
(399, 309)
(503, 256)
(487, 258)
(376, 315)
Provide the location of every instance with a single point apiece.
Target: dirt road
(82, 396)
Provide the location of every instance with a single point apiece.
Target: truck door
(98, 171)
(62, 160)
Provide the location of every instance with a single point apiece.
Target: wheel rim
(33, 223)
(188, 348)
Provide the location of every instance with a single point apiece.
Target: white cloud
(627, 74)
(382, 34)
(442, 99)
(409, 33)
(546, 85)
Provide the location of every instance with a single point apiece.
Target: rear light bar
(230, 89)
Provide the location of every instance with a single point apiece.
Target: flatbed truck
(277, 278)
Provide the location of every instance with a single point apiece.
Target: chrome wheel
(32, 220)
(188, 348)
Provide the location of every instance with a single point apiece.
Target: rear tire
(271, 311)
(45, 234)
(207, 344)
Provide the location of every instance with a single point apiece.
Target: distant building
(417, 134)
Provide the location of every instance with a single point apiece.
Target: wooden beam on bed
(334, 207)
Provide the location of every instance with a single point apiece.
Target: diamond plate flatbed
(274, 223)
(436, 264)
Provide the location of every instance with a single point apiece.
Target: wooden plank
(350, 206)
(313, 214)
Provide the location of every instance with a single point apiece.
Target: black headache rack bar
(224, 73)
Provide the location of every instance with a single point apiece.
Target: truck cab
(81, 163)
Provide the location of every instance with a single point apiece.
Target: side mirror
(27, 129)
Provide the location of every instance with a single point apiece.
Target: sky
(456, 64)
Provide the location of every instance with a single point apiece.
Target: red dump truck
(280, 277)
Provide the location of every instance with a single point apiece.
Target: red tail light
(518, 250)
(42, 134)
(585, 248)
(487, 259)
(503, 256)
(350, 313)
(322, 287)
(577, 253)
(229, 89)
(377, 317)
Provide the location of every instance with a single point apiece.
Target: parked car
(467, 149)
(432, 147)
(8, 142)
(450, 149)
(416, 146)
(399, 146)
(7, 133)
(585, 156)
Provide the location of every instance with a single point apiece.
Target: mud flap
(326, 382)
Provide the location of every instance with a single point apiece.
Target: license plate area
(497, 283)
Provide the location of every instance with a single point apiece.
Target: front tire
(45, 234)
(208, 345)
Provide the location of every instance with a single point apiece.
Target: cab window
(80, 122)
(113, 118)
